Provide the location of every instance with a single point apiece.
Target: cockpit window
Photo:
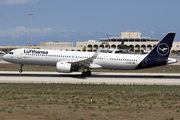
(10, 52)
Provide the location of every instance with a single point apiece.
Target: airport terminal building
(133, 40)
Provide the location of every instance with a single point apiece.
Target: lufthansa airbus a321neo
(69, 61)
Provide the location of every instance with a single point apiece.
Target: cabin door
(19, 55)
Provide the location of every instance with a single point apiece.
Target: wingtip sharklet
(97, 52)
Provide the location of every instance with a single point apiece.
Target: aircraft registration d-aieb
(69, 61)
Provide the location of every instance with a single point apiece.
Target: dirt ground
(68, 101)
(73, 101)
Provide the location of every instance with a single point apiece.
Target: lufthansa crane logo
(163, 49)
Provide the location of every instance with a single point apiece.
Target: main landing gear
(20, 70)
(87, 73)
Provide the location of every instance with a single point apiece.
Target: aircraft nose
(5, 57)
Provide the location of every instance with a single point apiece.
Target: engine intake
(63, 67)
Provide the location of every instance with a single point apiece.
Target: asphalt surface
(96, 77)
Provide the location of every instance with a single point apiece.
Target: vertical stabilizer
(159, 55)
(122, 45)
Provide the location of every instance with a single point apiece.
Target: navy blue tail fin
(122, 45)
(159, 55)
(163, 48)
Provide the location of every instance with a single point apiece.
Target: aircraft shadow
(78, 76)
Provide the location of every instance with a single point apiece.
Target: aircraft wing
(87, 63)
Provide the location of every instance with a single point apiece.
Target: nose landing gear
(20, 70)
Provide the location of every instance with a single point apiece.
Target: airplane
(1, 52)
(69, 61)
(146, 51)
(119, 49)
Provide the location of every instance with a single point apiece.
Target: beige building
(9, 48)
(63, 46)
(131, 34)
(133, 39)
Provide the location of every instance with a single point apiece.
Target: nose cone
(5, 57)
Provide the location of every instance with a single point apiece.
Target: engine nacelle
(63, 67)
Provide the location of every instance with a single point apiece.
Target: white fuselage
(51, 57)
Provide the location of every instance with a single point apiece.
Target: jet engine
(63, 67)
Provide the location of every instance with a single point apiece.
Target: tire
(88, 73)
(20, 71)
(84, 74)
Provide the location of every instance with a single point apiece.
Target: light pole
(30, 27)
(108, 42)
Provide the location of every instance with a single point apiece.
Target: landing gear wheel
(88, 73)
(84, 74)
(20, 71)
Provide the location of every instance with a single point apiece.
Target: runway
(96, 77)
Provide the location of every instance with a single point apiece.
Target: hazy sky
(82, 20)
